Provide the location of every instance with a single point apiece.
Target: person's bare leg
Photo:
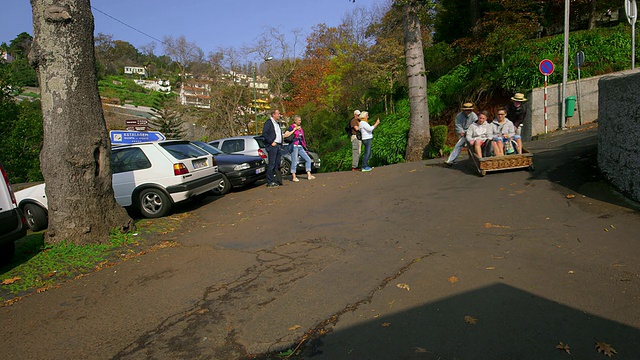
(478, 146)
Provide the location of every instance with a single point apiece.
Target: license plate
(200, 163)
(259, 170)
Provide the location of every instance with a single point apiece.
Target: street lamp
(255, 99)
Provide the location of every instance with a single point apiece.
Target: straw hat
(467, 106)
(519, 97)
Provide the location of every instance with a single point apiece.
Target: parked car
(150, 177)
(237, 170)
(254, 145)
(12, 223)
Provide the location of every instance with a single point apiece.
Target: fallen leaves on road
(470, 319)
(570, 196)
(294, 327)
(563, 346)
(605, 348)
(386, 324)
(403, 286)
(490, 225)
(452, 279)
(490, 268)
(420, 350)
(11, 281)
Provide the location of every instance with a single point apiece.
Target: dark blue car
(237, 170)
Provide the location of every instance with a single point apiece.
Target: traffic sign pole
(546, 67)
(546, 78)
(631, 9)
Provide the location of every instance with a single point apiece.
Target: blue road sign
(132, 137)
(546, 67)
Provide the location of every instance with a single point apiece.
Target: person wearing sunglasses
(503, 132)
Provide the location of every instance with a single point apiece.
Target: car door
(124, 163)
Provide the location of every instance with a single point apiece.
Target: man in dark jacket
(517, 112)
(272, 135)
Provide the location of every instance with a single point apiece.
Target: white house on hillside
(137, 70)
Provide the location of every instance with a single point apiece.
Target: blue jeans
(273, 155)
(367, 152)
(298, 149)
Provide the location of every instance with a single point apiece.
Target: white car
(148, 176)
(11, 220)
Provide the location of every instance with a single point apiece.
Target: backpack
(348, 129)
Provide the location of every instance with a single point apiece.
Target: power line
(129, 26)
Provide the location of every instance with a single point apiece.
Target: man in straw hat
(517, 112)
(464, 119)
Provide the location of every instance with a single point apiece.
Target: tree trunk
(474, 14)
(592, 15)
(75, 157)
(419, 134)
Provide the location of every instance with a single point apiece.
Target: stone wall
(619, 131)
(586, 110)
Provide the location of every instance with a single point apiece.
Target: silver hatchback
(255, 146)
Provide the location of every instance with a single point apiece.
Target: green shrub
(438, 139)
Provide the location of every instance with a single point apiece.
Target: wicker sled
(504, 162)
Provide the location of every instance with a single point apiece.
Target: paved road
(407, 261)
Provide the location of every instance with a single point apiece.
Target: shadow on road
(494, 322)
(574, 165)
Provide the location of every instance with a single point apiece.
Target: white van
(12, 225)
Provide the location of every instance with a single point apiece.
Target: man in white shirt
(272, 135)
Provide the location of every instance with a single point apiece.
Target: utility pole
(565, 64)
(255, 100)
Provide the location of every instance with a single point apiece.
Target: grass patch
(37, 265)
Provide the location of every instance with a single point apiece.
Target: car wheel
(285, 169)
(36, 217)
(153, 203)
(224, 187)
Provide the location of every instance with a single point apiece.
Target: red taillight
(6, 181)
(180, 169)
(262, 154)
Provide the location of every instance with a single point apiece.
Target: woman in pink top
(299, 148)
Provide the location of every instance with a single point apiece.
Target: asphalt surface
(410, 261)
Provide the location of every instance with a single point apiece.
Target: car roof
(237, 137)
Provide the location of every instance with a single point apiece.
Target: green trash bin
(571, 106)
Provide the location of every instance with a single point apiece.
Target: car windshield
(183, 150)
(210, 149)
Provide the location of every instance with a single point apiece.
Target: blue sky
(210, 24)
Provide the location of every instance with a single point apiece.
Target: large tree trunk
(75, 157)
(419, 134)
